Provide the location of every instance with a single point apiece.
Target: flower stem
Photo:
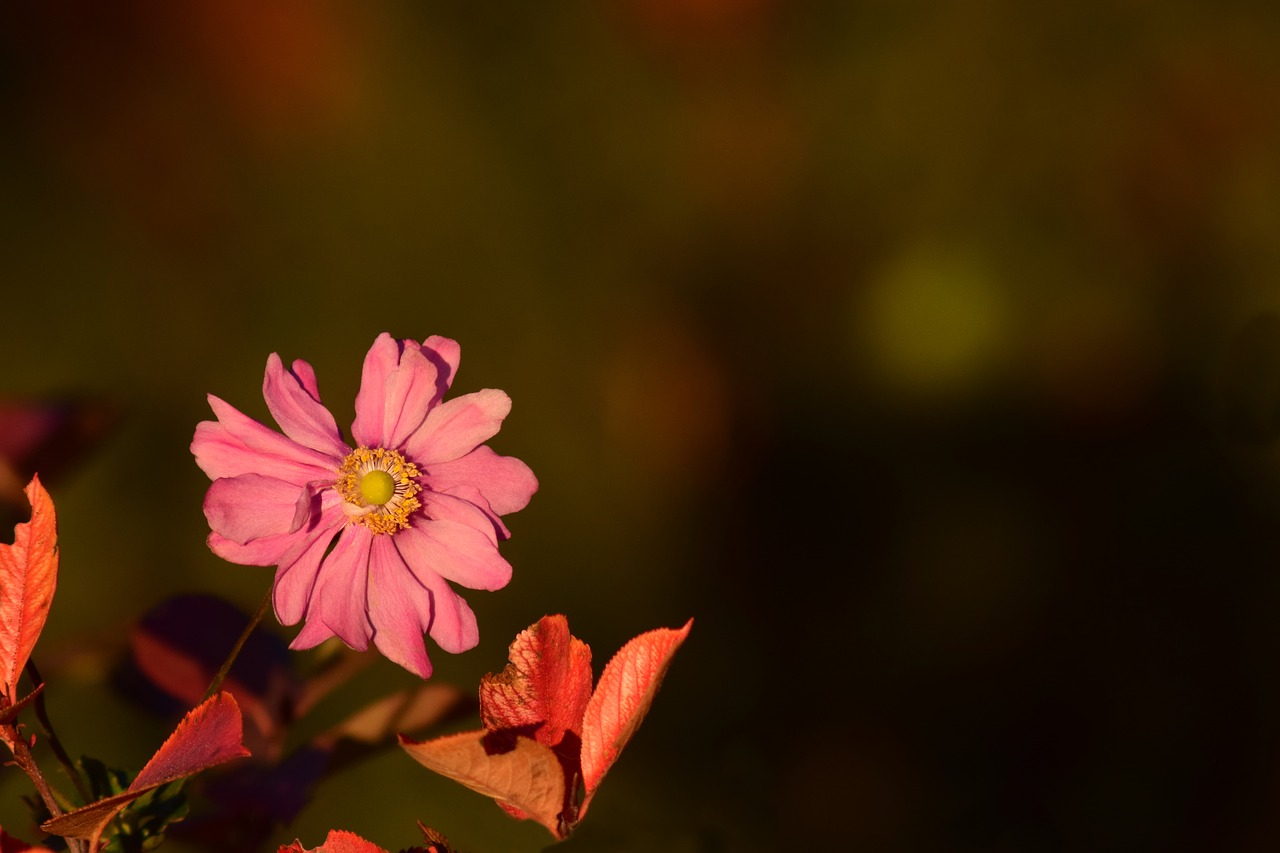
(235, 650)
(42, 714)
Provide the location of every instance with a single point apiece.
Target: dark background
(924, 352)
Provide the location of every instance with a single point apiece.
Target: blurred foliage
(918, 349)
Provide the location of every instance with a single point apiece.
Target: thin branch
(26, 761)
(42, 714)
(235, 650)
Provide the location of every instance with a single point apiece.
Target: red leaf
(526, 776)
(209, 734)
(28, 577)
(9, 844)
(338, 841)
(626, 689)
(546, 685)
(341, 841)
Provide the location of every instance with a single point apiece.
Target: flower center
(378, 486)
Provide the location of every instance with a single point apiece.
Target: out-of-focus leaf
(28, 578)
(545, 687)
(515, 771)
(340, 666)
(182, 662)
(208, 735)
(9, 844)
(407, 710)
(622, 697)
(48, 436)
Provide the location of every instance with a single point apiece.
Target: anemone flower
(366, 539)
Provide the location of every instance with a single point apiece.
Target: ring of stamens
(362, 483)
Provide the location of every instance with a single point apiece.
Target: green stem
(235, 650)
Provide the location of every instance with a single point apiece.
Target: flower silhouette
(367, 538)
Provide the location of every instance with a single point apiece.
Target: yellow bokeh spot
(934, 322)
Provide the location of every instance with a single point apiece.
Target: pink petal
(411, 390)
(299, 568)
(277, 549)
(340, 597)
(250, 507)
(454, 551)
(297, 408)
(458, 426)
(472, 495)
(236, 444)
(307, 378)
(453, 624)
(383, 358)
(506, 483)
(266, 551)
(399, 607)
(306, 509)
(438, 505)
(445, 354)
(313, 633)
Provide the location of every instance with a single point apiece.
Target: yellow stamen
(379, 487)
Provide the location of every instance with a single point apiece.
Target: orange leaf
(626, 689)
(546, 685)
(28, 577)
(338, 841)
(209, 734)
(516, 771)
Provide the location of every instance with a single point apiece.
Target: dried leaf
(28, 578)
(405, 710)
(622, 697)
(51, 436)
(516, 771)
(545, 687)
(209, 734)
(436, 842)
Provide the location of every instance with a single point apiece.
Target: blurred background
(926, 353)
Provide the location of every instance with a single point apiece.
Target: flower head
(367, 538)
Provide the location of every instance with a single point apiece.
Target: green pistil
(377, 487)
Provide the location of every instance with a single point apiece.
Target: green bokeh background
(922, 351)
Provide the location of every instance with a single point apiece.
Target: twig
(235, 650)
(26, 761)
(42, 714)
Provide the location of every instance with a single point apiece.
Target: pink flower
(365, 539)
